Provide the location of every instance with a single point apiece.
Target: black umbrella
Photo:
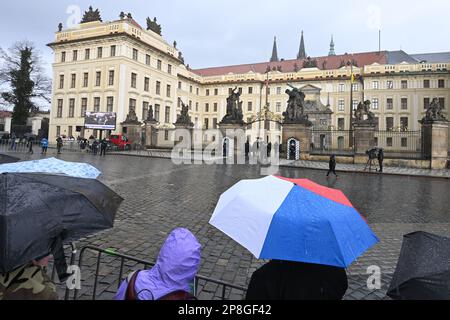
(39, 213)
(423, 269)
(8, 159)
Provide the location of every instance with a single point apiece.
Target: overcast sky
(225, 32)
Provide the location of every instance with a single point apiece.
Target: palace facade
(120, 66)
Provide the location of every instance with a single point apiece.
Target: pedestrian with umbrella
(310, 232)
(43, 212)
(423, 269)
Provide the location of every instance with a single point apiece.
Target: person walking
(172, 278)
(103, 147)
(44, 145)
(59, 144)
(332, 166)
(381, 158)
(95, 147)
(30, 145)
(286, 280)
(13, 141)
(269, 149)
(247, 149)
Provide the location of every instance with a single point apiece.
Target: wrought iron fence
(331, 141)
(226, 289)
(400, 144)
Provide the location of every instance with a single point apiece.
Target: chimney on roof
(274, 57)
(302, 51)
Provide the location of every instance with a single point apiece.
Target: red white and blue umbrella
(295, 220)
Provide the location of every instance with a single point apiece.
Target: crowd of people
(172, 278)
(91, 145)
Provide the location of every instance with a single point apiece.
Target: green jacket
(28, 282)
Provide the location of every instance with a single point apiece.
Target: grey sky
(224, 32)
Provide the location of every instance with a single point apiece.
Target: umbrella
(53, 166)
(423, 269)
(8, 159)
(293, 220)
(41, 212)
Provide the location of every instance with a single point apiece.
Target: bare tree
(22, 80)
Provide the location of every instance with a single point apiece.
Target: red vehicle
(121, 141)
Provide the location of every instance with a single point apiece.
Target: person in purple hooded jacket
(173, 275)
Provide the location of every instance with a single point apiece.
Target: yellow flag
(353, 78)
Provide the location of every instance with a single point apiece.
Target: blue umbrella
(52, 166)
(293, 220)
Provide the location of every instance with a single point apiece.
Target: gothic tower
(302, 51)
(274, 51)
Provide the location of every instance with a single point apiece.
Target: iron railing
(400, 144)
(331, 141)
(123, 258)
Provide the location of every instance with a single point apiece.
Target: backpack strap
(179, 296)
(130, 294)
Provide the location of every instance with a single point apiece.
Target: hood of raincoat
(175, 269)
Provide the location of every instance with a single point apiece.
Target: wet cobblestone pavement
(160, 196)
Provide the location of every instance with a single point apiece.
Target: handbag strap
(131, 290)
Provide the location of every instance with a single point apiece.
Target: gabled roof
(323, 63)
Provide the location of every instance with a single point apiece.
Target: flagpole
(351, 106)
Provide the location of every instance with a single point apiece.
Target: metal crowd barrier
(146, 264)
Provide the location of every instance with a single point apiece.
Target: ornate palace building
(120, 66)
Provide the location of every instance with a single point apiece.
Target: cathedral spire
(274, 51)
(332, 52)
(302, 52)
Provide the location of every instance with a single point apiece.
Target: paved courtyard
(160, 196)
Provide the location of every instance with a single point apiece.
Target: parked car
(121, 141)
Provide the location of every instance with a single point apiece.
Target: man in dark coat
(381, 158)
(284, 280)
(95, 147)
(247, 148)
(332, 166)
(103, 147)
(59, 144)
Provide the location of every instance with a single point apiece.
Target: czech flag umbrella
(277, 218)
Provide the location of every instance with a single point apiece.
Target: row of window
(134, 81)
(88, 55)
(112, 53)
(389, 122)
(111, 79)
(85, 82)
(389, 104)
(404, 84)
(341, 87)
